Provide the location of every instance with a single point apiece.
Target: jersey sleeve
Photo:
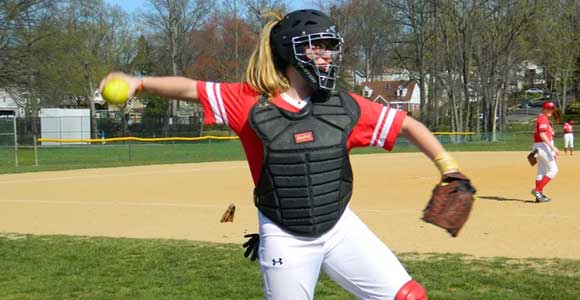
(378, 125)
(226, 103)
(543, 123)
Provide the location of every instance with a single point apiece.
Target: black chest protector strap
(306, 179)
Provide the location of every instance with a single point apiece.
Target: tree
(255, 9)
(18, 21)
(155, 107)
(415, 18)
(365, 27)
(455, 23)
(174, 20)
(95, 41)
(557, 41)
(141, 64)
(500, 24)
(26, 26)
(217, 60)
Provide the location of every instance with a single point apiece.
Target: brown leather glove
(228, 215)
(451, 203)
(532, 157)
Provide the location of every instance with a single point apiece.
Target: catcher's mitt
(532, 157)
(451, 203)
(228, 215)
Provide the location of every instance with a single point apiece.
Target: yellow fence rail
(138, 139)
(453, 133)
(169, 139)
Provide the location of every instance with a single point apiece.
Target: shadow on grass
(497, 198)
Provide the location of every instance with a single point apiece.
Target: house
(389, 74)
(358, 78)
(133, 111)
(400, 94)
(8, 105)
(527, 74)
(394, 74)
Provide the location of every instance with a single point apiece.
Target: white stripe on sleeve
(377, 129)
(213, 102)
(387, 127)
(221, 105)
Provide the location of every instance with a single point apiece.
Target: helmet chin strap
(308, 75)
(318, 94)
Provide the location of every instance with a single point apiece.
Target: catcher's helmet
(300, 29)
(548, 105)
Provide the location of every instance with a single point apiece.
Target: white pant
(546, 161)
(349, 253)
(569, 140)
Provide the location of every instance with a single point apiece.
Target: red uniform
(543, 125)
(230, 104)
(547, 167)
(567, 127)
(349, 252)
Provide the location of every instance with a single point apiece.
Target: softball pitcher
(568, 137)
(544, 145)
(297, 128)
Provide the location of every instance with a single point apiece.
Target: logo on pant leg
(279, 261)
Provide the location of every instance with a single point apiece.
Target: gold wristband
(445, 162)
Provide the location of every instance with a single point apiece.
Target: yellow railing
(168, 139)
(138, 139)
(453, 133)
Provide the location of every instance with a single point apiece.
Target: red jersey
(230, 104)
(567, 127)
(543, 125)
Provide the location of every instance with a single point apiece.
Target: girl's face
(548, 112)
(321, 52)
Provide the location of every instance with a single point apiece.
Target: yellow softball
(116, 91)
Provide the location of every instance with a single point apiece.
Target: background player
(568, 136)
(297, 128)
(544, 144)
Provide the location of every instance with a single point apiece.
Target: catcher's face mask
(321, 55)
(308, 40)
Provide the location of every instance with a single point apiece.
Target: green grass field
(64, 267)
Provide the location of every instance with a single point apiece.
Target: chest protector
(306, 179)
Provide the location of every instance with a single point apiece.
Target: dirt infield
(186, 202)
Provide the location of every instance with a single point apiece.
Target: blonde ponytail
(261, 72)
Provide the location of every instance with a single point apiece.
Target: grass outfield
(62, 267)
(133, 154)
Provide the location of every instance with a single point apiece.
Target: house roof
(388, 90)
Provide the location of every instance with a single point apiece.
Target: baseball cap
(548, 105)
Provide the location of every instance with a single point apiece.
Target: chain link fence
(8, 141)
(111, 125)
(76, 146)
(19, 138)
